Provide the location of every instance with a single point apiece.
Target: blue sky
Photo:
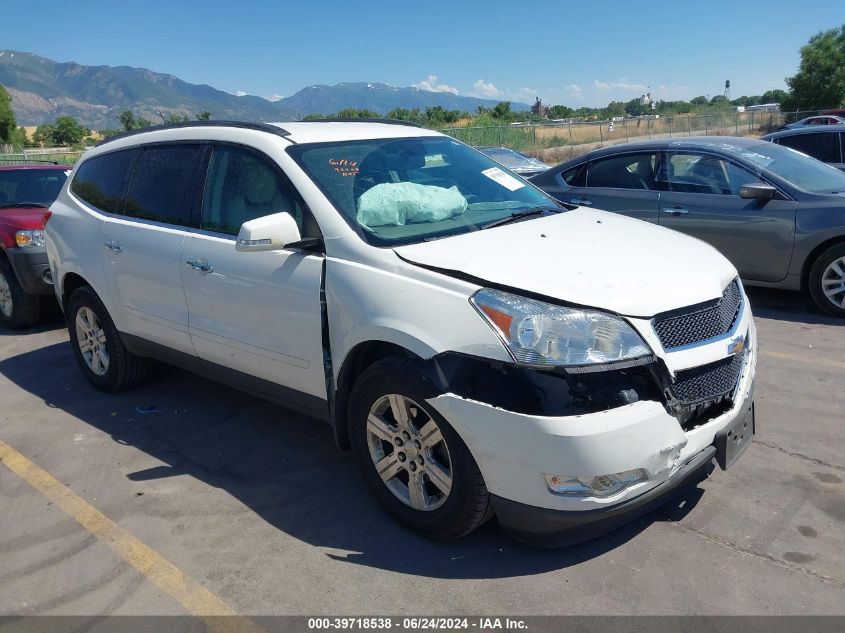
(584, 53)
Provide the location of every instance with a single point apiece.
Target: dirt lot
(220, 501)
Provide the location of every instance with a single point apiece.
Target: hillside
(43, 89)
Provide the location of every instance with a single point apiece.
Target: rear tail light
(45, 218)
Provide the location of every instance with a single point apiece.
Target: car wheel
(18, 309)
(97, 346)
(411, 458)
(827, 281)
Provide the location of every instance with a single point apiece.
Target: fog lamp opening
(595, 485)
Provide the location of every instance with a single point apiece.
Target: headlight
(539, 333)
(29, 239)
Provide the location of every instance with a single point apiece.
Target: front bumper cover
(31, 266)
(542, 527)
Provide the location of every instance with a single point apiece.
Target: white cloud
(240, 93)
(620, 84)
(430, 84)
(275, 97)
(525, 94)
(482, 88)
(574, 89)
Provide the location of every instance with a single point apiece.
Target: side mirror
(757, 191)
(270, 233)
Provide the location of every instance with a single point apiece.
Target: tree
(127, 120)
(701, 100)
(67, 131)
(820, 80)
(205, 115)
(614, 109)
(721, 100)
(560, 112)
(7, 117)
(172, 119)
(19, 137)
(43, 135)
(774, 96)
(355, 113)
(502, 110)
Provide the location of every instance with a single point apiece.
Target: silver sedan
(777, 214)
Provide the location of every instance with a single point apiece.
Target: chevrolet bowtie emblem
(736, 345)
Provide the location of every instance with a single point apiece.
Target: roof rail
(261, 127)
(363, 120)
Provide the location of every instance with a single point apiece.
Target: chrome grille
(701, 322)
(708, 382)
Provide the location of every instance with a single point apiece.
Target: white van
(483, 350)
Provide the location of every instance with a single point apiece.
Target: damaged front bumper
(516, 453)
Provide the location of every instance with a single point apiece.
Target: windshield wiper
(9, 205)
(520, 215)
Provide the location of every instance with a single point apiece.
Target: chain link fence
(553, 142)
(54, 155)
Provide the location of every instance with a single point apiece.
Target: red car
(26, 192)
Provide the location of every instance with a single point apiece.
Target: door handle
(581, 201)
(675, 211)
(113, 246)
(203, 267)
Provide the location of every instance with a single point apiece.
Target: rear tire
(18, 310)
(97, 345)
(827, 281)
(430, 481)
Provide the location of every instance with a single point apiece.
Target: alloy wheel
(409, 452)
(92, 341)
(833, 282)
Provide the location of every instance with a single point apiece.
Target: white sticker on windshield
(506, 180)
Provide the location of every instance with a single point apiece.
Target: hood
(23, 217)
(586, 257)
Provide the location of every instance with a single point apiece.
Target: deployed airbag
(398, 203)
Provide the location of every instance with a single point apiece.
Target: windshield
(402, 191)
(802, 171)
(19, 187)
(509, 158)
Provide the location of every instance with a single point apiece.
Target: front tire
(413, 461)
(827, 281)
(18, 310)
(97, 346)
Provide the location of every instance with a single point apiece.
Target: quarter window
(242, 186)
(823, 146)
(629, 171)
(575, 177)
(101, 181)
(697, 173)
(163, 184)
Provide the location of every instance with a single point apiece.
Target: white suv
(482, 349)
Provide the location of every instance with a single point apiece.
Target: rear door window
(164, 186)
(101, 181)
(629, 171)
(824, 146)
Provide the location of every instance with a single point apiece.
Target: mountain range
(43, 89)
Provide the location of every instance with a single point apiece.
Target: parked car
(815, 120)
(822, 142)
(778, 215)
(482, 349)
(26, 192)
(517, 162)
